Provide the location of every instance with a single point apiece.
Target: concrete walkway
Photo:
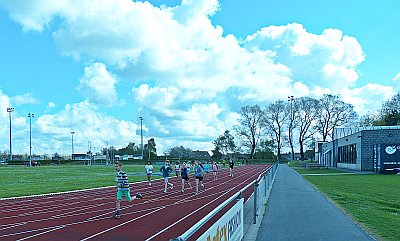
(296, 211)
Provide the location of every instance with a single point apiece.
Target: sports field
(88, 215)
(372, 200)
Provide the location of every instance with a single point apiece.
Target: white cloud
(88, 123)
(364, 99)
(326, 60)
(51, 105)
(187, 78)
(397, 77)
(25, 99)
(98, 85)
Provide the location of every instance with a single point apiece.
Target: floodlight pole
(291, 99)
(141, 133)
(30, 115)
(9, 110)
(72, 145)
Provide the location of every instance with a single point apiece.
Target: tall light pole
(141, 133)
(30, 115)
(291, 99)
(9, 110)
(90, 152)
(72, 141)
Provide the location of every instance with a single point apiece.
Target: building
(202, 155)
(375, 148)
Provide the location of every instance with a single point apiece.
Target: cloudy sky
(187, 67)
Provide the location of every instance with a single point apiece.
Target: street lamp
(90, 152)
(72, 138)
(141, 133)
(9, 110)
(30, 115)
(291, 99)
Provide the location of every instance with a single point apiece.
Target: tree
(308, 110)
(265, 149)
(130, 149)
(388, 115)
(150, 148)
(250, 127)
(275, 116)
(181, 152)
(332, 113)
(225, 143)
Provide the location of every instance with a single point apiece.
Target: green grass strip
(372, 200)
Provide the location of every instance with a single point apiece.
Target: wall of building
(373, 137)
(364, 140)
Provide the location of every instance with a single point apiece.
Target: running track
(88, 215)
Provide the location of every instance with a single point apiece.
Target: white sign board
(229, 227)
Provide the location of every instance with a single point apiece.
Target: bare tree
(275, 116)
(307, 113)
(250, 127)
(332, 113)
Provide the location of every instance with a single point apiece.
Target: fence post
(255, 202)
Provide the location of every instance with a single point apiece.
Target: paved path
(296, 211)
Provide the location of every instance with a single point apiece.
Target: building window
(348, 154)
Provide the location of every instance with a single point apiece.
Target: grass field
(371, 200)
(22, 181)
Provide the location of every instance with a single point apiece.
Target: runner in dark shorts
(185, 177)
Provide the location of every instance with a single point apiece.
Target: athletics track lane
(87, 215)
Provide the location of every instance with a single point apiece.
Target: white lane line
(122, 224)
(32, 236)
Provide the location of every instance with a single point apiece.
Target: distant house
(80, 157)
(202, 155)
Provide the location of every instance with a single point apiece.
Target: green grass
(371, 200)
(22, 181)
(301, 170)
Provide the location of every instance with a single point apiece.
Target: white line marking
(122, 224)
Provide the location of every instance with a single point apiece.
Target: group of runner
(201, 171)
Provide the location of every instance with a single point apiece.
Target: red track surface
(88, 215)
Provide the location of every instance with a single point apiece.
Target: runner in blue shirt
(166, 170)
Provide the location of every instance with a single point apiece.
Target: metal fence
(262, 186)
(262, 189)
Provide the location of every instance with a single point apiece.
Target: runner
(149, 171)
(123, 188)
(198, 173)
(215, 170)
(166, 170)
(206, 169)
(177, 168)
(231, 164)
(185, 177)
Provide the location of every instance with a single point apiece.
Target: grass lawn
(371, 200)
(22, 181)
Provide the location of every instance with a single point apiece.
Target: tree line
(298, 122)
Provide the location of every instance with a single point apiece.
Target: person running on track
(198, 173)
(177, 169)
(166, 170)
(231, 164)
(185, 177)
(123, 188)
(215, 170)
(149, 171)
(206, 169)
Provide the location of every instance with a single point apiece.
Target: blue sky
(185, 66)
